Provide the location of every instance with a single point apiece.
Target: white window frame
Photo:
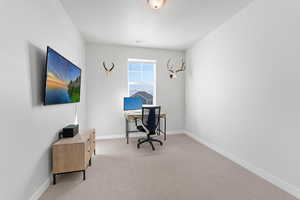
(144, 61)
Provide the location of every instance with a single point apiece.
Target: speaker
(69, 131)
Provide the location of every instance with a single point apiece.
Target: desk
(132, 115)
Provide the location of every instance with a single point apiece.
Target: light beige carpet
(180, 170)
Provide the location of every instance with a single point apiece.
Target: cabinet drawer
(87, 151)
(93, 141)
(68, 157)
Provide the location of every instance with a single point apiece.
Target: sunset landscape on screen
(62, 81)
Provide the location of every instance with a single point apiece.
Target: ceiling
(132, 22)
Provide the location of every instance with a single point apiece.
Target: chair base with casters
(150, 140)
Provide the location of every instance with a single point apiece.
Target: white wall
(27, 127)
(243, 88)
(105, 94)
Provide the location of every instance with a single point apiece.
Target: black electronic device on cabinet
(69, 131)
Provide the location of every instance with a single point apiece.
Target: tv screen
(63, 80)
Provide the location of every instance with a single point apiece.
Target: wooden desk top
(81, 137)
(131, 115)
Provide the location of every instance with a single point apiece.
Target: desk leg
(165, 131)
(158, 133)
(127, 133)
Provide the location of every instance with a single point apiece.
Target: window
(141, 80)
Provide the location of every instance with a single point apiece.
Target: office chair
(150, 122)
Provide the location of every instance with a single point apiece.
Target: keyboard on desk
(135, 112)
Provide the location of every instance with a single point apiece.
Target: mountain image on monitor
(62, 81)
(145, 96)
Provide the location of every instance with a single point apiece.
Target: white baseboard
(132, 135)
(291, 189)
(38, 193)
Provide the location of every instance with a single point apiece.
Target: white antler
(182, 67)
(171, 70)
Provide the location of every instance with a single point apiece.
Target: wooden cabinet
(73, 154)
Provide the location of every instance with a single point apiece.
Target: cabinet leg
(83, 174)
(158, 133)
(90, 162)
(94, 151)
(54, 179)
(165, 133)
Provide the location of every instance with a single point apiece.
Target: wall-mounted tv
(63, 80)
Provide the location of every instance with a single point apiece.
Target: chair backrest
(150, 118)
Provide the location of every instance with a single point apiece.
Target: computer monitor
(133, 103)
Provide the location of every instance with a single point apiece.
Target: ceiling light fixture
(156, 4)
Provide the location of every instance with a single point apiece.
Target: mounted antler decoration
(172, 71)
(108, 69)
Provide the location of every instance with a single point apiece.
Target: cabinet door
(68, 157)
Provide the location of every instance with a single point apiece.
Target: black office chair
(150, 122)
